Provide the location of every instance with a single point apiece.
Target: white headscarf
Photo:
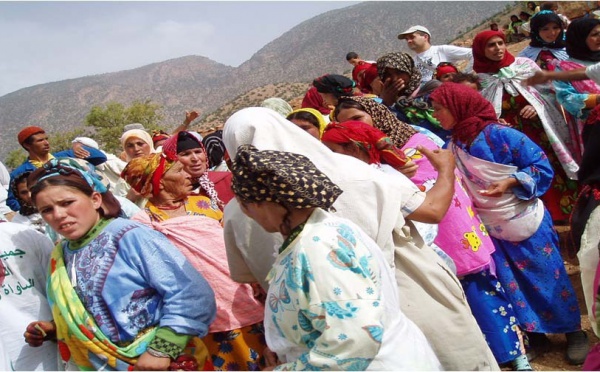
(137, 133)
(430, 294)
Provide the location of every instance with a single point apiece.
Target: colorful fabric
(312, 99)
(531, 271)
(378, 146)
(443, 69)
(195, 205)
(144, 173)
(159, 135)
(200, 240)
(385, 120)
(349, 320)
(28, 132)
(107, 329)
(238, 349)
(481, 62)
(471, 111)
(577, 33)
(461, 233)
(402, 62)
(494, 313)
(215, 148)
(281, 177)
(334, 84)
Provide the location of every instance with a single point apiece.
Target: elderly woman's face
(177, 182)
(269, 215)
(68, 211)
(194, 161)
(136, 147)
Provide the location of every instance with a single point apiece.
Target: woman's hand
(496, 189)
(442, 160)
(271, 360)
(79, 151)
(528, 112)
(190, 116)
(391, 91)
(38, 332)
(147, 362)
(409, 169)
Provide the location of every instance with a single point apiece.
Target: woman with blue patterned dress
(332, 301)
(505, 173)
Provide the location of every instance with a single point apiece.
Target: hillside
(312, 48)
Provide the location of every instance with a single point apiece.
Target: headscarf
(28, 132)
(540, 20)
(369, 75)
(317, 115)
(380, 147)
(137, 133)
(483, 64)
(277, 104)
(577, 33)
(444, 68)
(215, 148)
(159, 135)
(402, 62)
(384, 120)
(144, 173)
(471, 111)
(185, 140)
(312, 99)
(337, 85)
(281, 177)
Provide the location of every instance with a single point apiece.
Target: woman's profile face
(136, 147)
(307, 126)
(593, 39)
(443, 115)
(177, 182)
(268, 215)
(550, 32)
(70, 212)
(194, 161)
(349, 149)
(355, 114)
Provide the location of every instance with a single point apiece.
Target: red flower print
(65, 353)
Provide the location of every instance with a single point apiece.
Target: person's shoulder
(24, 167)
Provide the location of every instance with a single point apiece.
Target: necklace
(170, 208)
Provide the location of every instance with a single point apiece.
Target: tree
(15, 158)
(62, 141)
(109, 121)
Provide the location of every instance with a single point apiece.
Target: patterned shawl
(402, 62)
(385, 120)
(282, 177)
(143, 174)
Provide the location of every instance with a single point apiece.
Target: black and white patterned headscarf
(281, 177)
(402, 62)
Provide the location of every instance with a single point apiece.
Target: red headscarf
(380, 147)
(369, 75)
(471, 111)
(312, 99)
(481, 62)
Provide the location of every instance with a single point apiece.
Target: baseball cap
(414, 29)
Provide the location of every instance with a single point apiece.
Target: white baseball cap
(413, 29)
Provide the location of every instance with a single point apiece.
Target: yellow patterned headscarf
(143, 174)
(316, 114)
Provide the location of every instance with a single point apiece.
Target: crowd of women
(386, 224)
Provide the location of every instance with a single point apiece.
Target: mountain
(311, 49)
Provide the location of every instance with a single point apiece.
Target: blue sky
(50, 41)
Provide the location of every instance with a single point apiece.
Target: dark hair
(306, 116)
(514, 15)
(351, 55)
(531, 3)
(548, 5)
(471, 78)
(525, 14)
(347, 104)
(492, 26)
(68, 177)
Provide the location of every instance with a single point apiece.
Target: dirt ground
(555, 359)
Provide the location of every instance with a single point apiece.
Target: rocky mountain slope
(313, 48)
